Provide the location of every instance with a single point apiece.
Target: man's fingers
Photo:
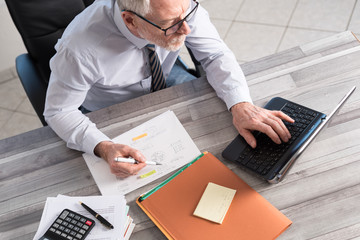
(269, 131)
(265, 128)
(279, 127)
(247, 118)
(126, 168)
(137, 155)
(249, 137)
(109, 151)
(283, 116)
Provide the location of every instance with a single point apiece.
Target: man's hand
(248, 117)
(109, 151)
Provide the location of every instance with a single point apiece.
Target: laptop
(271, 161)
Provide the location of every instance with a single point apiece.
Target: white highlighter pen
(131, 160)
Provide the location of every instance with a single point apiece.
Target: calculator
(69, 225)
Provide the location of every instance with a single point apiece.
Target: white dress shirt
(99, 62)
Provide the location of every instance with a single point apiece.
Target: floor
(251, 28)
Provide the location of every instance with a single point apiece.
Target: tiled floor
(251, 28)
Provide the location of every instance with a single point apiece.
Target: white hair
(141, 7)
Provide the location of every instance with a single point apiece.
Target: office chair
(41, 23)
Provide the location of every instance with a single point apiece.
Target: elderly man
(104, 57)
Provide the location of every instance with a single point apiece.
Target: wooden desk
(321, 195)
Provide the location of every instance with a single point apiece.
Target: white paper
(129, 231)
(112, 208)
(163, 140)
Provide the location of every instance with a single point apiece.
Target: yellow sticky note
(148, 174)
(214, 203)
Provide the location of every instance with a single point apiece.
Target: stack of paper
(112, 208)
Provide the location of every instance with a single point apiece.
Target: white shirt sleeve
(222, 70)
(70, 80)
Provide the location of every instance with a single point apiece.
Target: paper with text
(162, 139)
(112, 208)
(214, 203)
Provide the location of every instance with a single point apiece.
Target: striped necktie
(158, 79)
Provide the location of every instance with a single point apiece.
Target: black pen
(98, 216)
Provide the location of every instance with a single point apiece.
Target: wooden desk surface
(321, 194)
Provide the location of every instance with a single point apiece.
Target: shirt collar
(138, 42)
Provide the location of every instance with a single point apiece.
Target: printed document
(162, 139)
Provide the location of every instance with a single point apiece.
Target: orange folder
(249, 217)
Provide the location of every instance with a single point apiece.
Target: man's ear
(130, 22)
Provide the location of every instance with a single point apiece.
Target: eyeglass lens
(178, 25)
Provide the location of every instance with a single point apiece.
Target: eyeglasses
(173, 28)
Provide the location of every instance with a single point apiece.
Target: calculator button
(78, 235)
(70, 237)
(61, 228)
(71, 215)
(55, 225)
(86, 227)
(72, 233)
(79, 224)
(58, 232)
(64, 214)
(63, 234)
(77, 217)
(82, 231)
(59, 221)
(73, 222)
(76, 229)
(82, 220)
(88, 223)
(68, 219)
(71, 226)
(52, 229)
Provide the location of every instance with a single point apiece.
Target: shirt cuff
(92, 140)
(235, 96)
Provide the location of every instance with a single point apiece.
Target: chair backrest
(41, 23)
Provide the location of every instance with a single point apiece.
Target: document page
(162, 139)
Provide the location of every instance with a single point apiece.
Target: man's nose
(184, 29)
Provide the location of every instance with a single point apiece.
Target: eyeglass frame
(166, 29)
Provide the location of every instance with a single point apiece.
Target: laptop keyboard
(267, 153)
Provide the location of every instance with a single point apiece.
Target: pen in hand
(98, 216)
(131, 160)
